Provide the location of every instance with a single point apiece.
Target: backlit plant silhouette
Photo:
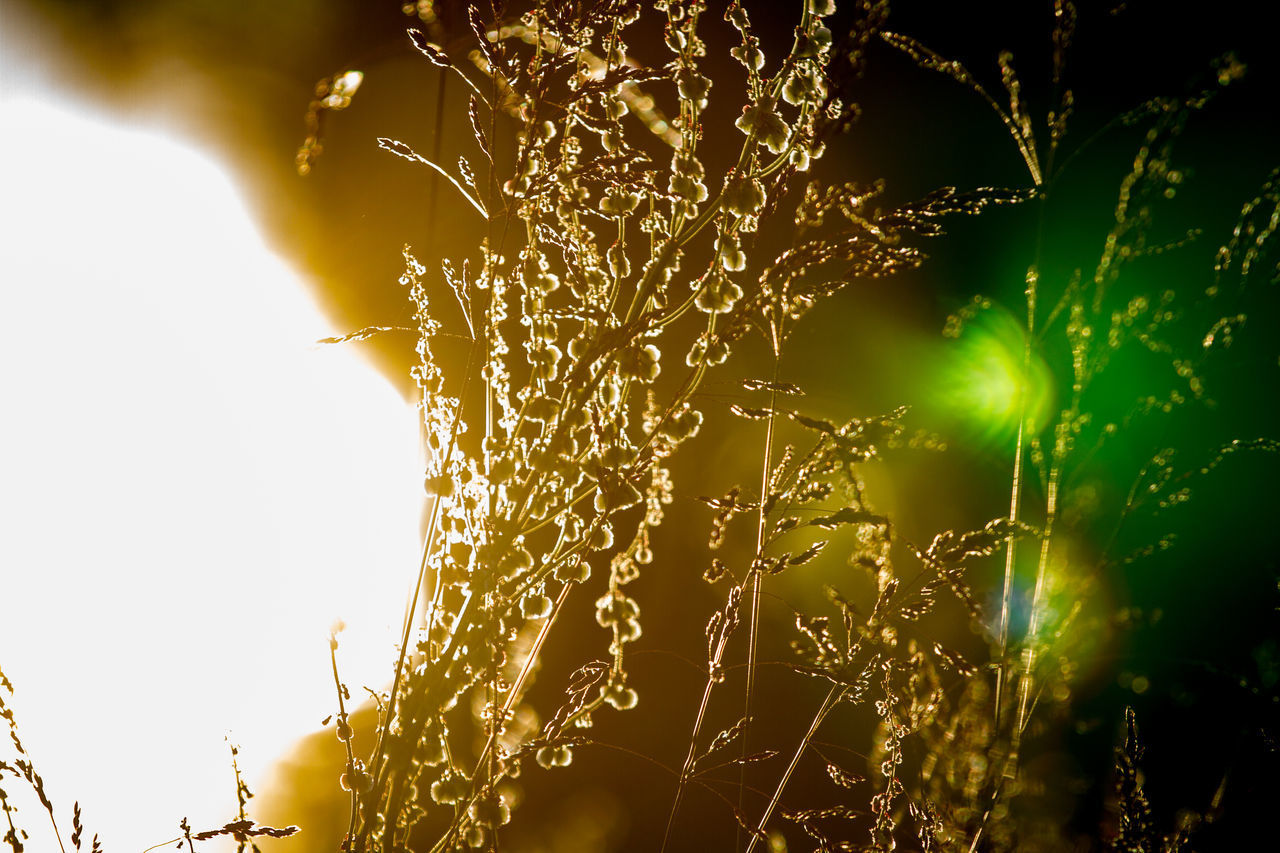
(618, 269)
(630, 249)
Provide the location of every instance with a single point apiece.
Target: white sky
(191, 490)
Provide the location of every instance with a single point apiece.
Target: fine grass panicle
(21, 767)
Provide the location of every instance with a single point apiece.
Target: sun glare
(193, 489)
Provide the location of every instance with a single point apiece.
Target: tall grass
(631, 248)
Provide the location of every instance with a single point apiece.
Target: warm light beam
(193, 490)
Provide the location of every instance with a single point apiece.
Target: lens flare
(988, 382)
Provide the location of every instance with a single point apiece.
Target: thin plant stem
(690, 758)
(346, 742)
(753, 619)
(833, 697)
(1015, 490)
(1010, 554)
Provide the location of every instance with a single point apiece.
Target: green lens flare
(983, 383)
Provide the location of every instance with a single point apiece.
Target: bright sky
(191, 490)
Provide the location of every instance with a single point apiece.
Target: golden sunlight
(194, 490)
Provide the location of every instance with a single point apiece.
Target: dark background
(1197, 622)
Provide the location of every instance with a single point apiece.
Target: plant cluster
(612, 260)
(624, 258)
(617, 269)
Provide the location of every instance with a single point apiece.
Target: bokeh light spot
(983, 383)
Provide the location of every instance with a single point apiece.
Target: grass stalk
(829, 702)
